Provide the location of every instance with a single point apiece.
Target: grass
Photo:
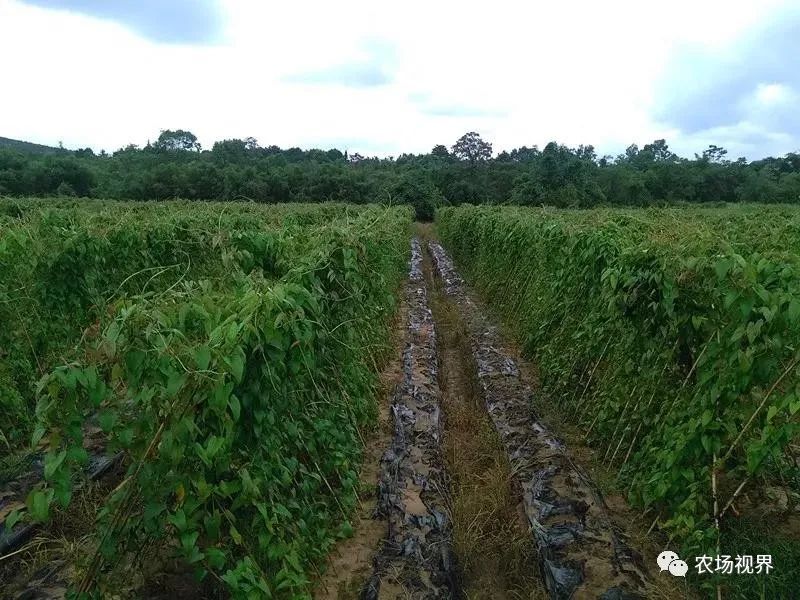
(775, 536)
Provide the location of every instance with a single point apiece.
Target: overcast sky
(382, 79)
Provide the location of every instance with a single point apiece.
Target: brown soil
(415, 560)
(350, 563)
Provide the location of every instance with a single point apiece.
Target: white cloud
(521, 73)
(770, 94)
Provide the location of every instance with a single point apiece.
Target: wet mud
(581, 552)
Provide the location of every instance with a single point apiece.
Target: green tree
(470, 147)
(658, 151)
(714, 154)
(171, 141)
(419, 193)
(440, 151)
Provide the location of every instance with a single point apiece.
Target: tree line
(175, 166)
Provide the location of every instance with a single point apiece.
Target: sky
(383, 79)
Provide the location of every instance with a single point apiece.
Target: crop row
(237, 389)
(63, 265)
(671, 336)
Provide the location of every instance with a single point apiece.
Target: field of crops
(221, 361)
(229, 350)
(671, 336)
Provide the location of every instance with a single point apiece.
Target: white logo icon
(669, 561)
(666, 557)
(678, 568)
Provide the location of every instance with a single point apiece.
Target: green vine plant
(239, 409)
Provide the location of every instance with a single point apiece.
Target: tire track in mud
(415, 560)
(582, 554)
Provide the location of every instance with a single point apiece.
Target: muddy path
(415, 560)
(401, 547)
(476, 498)
(581, 551)
(490, 534)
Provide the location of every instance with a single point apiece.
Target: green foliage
(59, 270)
(237, 402)
(421, 194)
(471, 148)
(178, 140)
(661, 331)
(63, 265)
(174, 166)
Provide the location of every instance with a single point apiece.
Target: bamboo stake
(652, 526)
(758, 409)
(619, 422)
(605, 403)
(578, 385)
(716, 511)
(649, 402)
(747, 479)
(591, 375)
(735, 496)
(686, 380)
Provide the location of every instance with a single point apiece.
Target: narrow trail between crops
(490, 535)
(581, 551)
(474, 496)
(409, 554)
(415, 559)
(408, 529)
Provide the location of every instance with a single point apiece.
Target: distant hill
(29, 147)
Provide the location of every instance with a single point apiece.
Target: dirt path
(480, 500)
(413, 557)
(490, 535)
(396, 548)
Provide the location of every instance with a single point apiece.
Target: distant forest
(175, 166)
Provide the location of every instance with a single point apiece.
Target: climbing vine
(238, 407)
